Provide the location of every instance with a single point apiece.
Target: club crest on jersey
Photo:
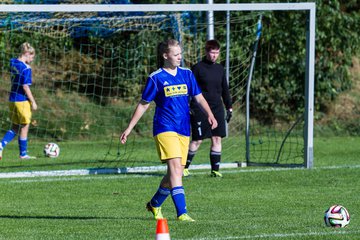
(176, 90)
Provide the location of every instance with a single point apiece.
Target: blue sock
(159, 197)
(178, 196)
(22, 146)
(9, 136)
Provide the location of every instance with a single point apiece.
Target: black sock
(215, 158)
(190, 157)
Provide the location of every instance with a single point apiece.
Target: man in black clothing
(212, 81)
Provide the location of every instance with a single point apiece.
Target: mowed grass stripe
(50, 178)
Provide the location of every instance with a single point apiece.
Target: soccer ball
(51, 150)
(337, 216)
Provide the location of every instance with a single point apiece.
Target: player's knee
(216, 144)
(196, 143)
(216, 140)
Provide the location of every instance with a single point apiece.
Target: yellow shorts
(172, 145)
(20, 112)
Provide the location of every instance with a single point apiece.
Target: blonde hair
(164, 47)
(26, 48)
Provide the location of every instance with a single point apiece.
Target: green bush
(278, 92)
(282, 82)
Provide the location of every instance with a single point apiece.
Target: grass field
(248, 203)
(140, 152)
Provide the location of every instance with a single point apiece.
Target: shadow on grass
(153, 174)
(55, 217)
(86, 164)
(59, 164)
(73, 218)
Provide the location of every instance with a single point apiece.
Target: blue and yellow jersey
(20, 75)
(171, 96)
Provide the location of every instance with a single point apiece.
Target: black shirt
(212, 82)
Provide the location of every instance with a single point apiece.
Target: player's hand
(213, 122)
(124, 135)
(228, 115)
(34, 106)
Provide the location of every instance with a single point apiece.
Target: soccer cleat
(186, 218)
(186, 172)
(216, 174)
(1, 149)
(27, 157)
(155, 210)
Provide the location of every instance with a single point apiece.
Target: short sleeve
(25, 79)
(150, 90)
(195, 89)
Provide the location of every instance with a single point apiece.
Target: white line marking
(70, 176)
(95, 171)
(282, 235)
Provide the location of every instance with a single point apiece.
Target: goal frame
(310, 7)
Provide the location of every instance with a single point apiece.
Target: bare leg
(24, 130)
(173, 177)
(216, 143)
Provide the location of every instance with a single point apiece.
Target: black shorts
(200, 127)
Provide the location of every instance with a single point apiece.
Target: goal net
(91, 66)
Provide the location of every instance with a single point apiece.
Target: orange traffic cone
(162, 230)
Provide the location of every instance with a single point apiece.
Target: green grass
(139, 151)
(248, 203)
(81, 155)
(96, 154)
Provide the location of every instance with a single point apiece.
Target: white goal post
(310, 38)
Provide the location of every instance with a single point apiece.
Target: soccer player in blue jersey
(170, 88)
(21, 100)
